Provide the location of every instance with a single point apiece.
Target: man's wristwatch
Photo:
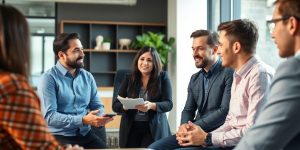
(208, 141)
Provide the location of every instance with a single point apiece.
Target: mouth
(80, 60)
(197, 59)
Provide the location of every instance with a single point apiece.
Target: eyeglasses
(271, 23)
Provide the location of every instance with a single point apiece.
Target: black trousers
(140, 135)
(91, 140)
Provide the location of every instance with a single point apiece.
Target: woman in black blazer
(148, 122)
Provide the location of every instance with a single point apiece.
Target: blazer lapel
(199, 89)
(211, 82)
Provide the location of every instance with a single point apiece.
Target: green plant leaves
(157, 41)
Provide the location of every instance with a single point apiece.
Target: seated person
(208, 90)
(69, 96)
(250, 84)
(22, 125)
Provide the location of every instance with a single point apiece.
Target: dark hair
(212, 37)
(289, 7)
(153, 87)
(14, 41)
(61, 42)
(242, 31)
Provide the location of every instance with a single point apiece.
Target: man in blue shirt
(69, 98)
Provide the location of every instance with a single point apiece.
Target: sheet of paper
(130, 103)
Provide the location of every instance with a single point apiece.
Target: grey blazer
(212, 110)
(278, 125)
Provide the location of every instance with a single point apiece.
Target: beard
(75, 64)
(203, 64)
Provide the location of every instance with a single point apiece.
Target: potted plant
(106, 44)
(157, 41)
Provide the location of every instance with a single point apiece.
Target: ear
(215, 50)
(61, 55)
(236, 47)
(293, 25)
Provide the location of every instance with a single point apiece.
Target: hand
(75, 147)
(195, 136)
(182, 130)
(124, 108)
(142, 107)
(92, 119)
(102, 121)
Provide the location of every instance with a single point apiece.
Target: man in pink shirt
(250, 84)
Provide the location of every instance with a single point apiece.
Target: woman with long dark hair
(148, 122)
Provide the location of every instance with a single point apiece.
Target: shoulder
(289, 69)
(227, 71)
(14, 83)
(164, 75)
(85, 72)
(290, 65)
(195, 76)
(261, 70)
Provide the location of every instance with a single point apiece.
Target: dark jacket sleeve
(117, 106)
(190, 107)
(216, 117)
(165, 104)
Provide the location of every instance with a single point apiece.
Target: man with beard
(251, 81)
(208, 91)
(69, 98)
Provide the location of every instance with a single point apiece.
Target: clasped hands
(92, 119)
(190, 134)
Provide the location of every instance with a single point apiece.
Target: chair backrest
(120, 76)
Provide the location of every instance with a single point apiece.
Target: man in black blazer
(208, 92)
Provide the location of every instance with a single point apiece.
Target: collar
(214, 67)
(63, 70)
(246, 67)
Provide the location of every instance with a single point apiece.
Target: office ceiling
(112, 2)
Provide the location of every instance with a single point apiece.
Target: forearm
(59, 120)
(212, 120)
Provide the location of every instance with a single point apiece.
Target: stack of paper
(130, 103)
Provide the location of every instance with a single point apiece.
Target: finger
(94, 112)
(186, 144)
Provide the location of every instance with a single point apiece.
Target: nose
(272, 35)
(82, 53)
(219, 50)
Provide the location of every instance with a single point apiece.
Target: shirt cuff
(217, 139)
(78, 120)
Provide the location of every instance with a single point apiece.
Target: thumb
(94, 112)
(191, 124)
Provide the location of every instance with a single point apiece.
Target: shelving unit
(104, 64)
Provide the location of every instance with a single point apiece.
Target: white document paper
(130, 103)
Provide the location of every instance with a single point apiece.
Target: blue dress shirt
(66, 99)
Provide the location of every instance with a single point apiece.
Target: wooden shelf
(103, 64)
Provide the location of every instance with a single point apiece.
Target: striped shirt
(248, 93)
(21, 122)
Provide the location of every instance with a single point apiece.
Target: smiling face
(73, 58)
(145, 63)
(202, 52)
(281, 36)
(225, 50)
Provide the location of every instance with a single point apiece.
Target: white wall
(184, 17)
